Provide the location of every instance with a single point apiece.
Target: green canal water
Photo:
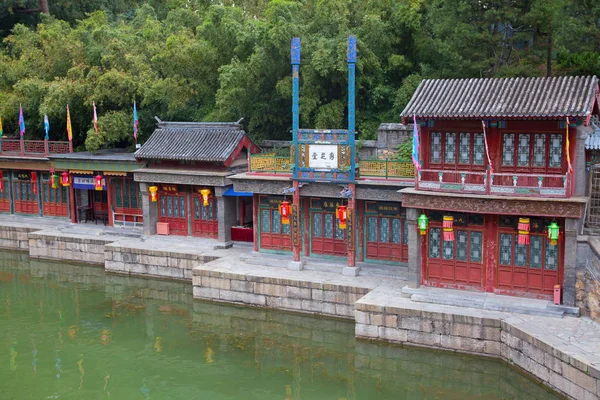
(74, 332)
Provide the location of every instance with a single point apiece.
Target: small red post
(22, 146)
(557, 294)
(296, 199)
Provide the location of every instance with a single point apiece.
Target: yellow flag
(1, 127)
(567, 148)
(69, 129)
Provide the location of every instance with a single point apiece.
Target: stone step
(488, 301)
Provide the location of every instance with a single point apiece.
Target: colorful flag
(568, 145)
(415, 146)
(135, 121)
(1, 128)
(21, 121)
(46, 126)
(487, 149)
(95, 118)
(69, 128)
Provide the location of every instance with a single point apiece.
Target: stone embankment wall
(15, 237)
(462, 332)
(588, 277)
(67, 248)
(155, 263)
(279, 293)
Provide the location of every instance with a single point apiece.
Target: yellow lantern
(205, 195)
(153, 190)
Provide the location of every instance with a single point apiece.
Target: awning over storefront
(232, 193)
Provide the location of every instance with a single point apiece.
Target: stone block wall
(283, 294)
(588, 278)
(156, 263)
(15, 238)
(480, 335)
(67, 248)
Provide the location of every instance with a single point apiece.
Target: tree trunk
(44, 7)
(549, 55)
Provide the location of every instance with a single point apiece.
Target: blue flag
(21, 121)
(135, 121)
(415, 146)
(46, 125)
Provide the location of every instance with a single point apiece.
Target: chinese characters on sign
(171, 189)
(23, 175)
(350, 229)
(89, 181)
(296, 233)
(323, 156)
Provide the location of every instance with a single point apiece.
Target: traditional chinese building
(189, 165)
(313, 199)
(100, 186)
(501, 183)
(26, 185)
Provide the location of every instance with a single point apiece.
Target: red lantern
(523, 231)
(1, 182)
(98, 183)
(284, 210)
(448, 228)
(65, 178)
(34, 182)
(342, 215)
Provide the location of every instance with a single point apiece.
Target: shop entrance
(457, 262)
(56, 201)
(173, 209)
(387, 232)
(326, 237)
(533, 268)
(26, 198)
(204, 223)
(91, 204)
(274, 235)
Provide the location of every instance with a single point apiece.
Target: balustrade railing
(33, 148)
(452, 181)
(386, 169)
(499, 184)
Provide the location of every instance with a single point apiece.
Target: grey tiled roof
(213, 142)
(504, 98)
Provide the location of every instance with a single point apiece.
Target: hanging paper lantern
(98, 182)
(153, 190)
(523, 227)
(342, 215)
(1, 182)
(54, 181)
(448, 230)
(284, 211)
(34, 182)
(553, 232)
(423, 224)
(205, 195)
(65, 179)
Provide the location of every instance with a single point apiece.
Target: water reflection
(74, 332)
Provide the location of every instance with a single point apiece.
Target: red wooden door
(533, 268)
(25, 200)
(458, 262)
(173, 210)
(205, 223)
(5, 195)
(326, 236)
(274, 235)
(387, 238)
(55, 200)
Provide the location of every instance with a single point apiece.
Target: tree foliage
(221, 60)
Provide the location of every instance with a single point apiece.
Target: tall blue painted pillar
(296, 242)
(351, 244)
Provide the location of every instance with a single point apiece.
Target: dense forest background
(211, 60)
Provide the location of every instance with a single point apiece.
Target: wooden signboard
(296, 232)
(350, 229)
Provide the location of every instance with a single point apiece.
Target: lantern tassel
(523, 237)
(448, 235)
